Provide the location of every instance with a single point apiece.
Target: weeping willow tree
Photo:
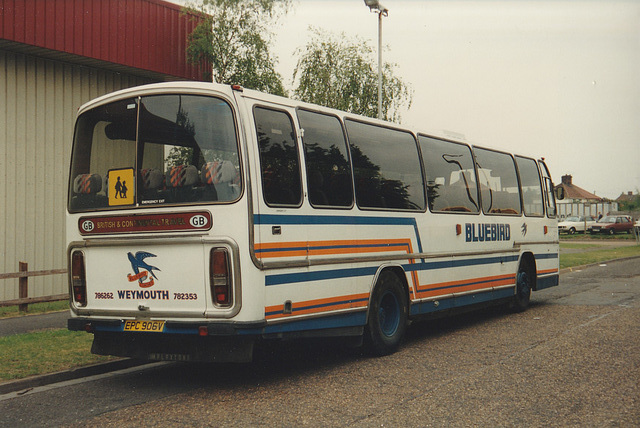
(235, 38)
(342, 73)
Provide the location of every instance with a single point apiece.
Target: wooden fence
(23, 275)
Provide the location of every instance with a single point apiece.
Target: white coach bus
(203, 218)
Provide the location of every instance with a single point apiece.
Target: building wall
(39, 99)
(570, 207)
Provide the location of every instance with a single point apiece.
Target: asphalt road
(30, 323)
(572, 359)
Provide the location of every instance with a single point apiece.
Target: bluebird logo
(524, 229)
(487, 232)
(142, 270)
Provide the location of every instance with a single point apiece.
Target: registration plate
(138, 325)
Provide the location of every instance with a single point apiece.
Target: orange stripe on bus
(292, 253)
(353, 242)
(322, 305)
(350, 247)
(444, 288)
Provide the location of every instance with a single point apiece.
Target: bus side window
(386, 167)
(531, 187)
(326, 159)
(281, 184)
(498, 182)
(451, 177)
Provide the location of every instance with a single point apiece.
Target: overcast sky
(542, 78)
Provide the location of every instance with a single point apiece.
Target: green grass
(35, 308)
(48, 351)
(597, 237)
(596, 256)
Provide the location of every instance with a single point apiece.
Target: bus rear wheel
(388, 315)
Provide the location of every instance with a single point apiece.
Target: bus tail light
(220, 277)
(78, 278)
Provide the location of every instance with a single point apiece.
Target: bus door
(280, 234)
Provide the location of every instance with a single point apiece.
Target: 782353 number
(185, 296)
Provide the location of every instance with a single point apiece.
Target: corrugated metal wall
(39, 99)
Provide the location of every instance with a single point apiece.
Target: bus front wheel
(524, 284)
(388, 315)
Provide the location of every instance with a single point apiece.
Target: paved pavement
(572, 359)
(31, 323)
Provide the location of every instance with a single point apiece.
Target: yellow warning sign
(121, 187)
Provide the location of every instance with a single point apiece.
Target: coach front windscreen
(155, 151)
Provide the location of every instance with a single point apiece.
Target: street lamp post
(377, 7)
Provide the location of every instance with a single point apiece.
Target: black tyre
(388, 315)
(612, 232)
(572, 231)
(524, 284)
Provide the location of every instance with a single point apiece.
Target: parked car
(611, 224)
(575, 224)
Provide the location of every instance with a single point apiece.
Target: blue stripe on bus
(359, 318)
(278, 219)
(352, 319)
(458, 263)
(330, 219)
(422, 308)
(292, 278)
(546, 256)
(278, 250)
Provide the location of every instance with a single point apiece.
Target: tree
(343, 74)
(234, 37)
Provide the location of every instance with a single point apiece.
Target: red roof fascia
(144, 34)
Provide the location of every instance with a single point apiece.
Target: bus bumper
(179, 341)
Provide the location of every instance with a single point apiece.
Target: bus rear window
(156, 150)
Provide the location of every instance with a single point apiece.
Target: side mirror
(559, 191)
